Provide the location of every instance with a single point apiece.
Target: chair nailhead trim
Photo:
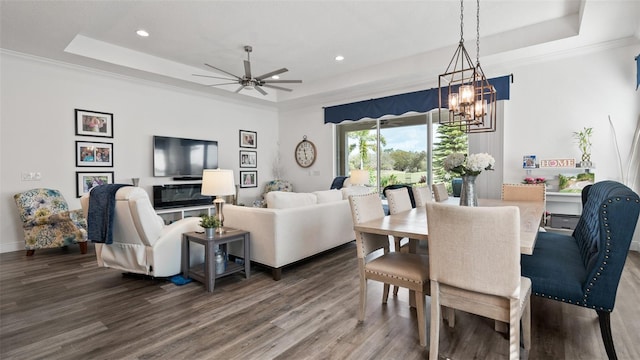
(393, 277)
(605, 219)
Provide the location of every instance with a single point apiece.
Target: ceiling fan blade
(270, 74)
(282, 81)
(214, 77)
(240, 88)
(276, 87)
(230, 83)
(260, 90)
(247, 69)
(226, 72)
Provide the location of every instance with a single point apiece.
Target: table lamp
(359, 177)
(218, 183)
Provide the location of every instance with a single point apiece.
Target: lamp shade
(359, 177)
(217, 182)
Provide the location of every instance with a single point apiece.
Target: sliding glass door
(400, 150)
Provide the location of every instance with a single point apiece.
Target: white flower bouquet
(473, 164)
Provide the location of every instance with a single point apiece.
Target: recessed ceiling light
(275, 77)
(142, 33)
(339, 58)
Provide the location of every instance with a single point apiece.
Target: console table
(206, 273)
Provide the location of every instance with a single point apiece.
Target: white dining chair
(440, 193)
(474, 265)
(422, 195)
(526, 192)
(406, 270)
(398, 201)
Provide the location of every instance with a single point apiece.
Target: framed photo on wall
(248, 179)
(248, 159)
(94, 123)
(85, 181)
(529, 162)
(248, 139)
(94, 154)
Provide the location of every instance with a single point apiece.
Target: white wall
(551, 100)
(37, 130)
(294, 125)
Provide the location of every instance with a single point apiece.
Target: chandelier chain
(477, 32)
(462, 21)
(464, 91)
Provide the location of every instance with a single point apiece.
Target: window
(406, 150)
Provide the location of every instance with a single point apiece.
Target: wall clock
(305, 153)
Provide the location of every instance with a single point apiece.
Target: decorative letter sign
(558, 163)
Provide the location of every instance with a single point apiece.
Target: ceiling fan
(249, 81)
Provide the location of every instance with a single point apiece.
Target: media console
(170, 215)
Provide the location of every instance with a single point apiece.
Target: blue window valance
(419, 101)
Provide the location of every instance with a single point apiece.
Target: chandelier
(463, 90)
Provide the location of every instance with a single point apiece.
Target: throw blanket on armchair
(100, 214)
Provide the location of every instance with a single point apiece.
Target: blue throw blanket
(338, 182)
(102, 203)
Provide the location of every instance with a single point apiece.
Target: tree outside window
(450, 139)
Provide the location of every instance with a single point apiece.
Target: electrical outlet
(31, 176)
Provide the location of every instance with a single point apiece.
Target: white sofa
(294, 226)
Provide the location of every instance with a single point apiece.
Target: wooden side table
(209, 275)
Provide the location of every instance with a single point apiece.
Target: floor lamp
(218, 183)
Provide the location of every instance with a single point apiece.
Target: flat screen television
(183, 158)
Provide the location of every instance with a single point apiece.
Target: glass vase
(468, 194)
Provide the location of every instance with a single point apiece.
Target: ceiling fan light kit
(464, 92)
(248, 81)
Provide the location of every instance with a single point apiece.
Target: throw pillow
(327, 196)
(284, 200)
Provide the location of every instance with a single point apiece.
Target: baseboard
(11, 247)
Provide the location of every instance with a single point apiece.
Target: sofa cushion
(356, 190)
(284, 200)
(327, 196)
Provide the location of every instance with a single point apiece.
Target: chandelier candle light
(468, 167)
(463, 90)
(218, 183)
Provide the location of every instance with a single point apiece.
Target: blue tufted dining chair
(47, 221)
(584, 268)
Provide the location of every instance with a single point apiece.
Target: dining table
(412, 223)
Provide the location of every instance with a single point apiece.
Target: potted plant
(584, 143)
(210, 223)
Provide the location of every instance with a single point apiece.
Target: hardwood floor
(59, 305)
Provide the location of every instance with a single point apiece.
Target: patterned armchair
(278, 185)
(47, 221)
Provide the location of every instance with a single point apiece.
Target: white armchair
(142, 243)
